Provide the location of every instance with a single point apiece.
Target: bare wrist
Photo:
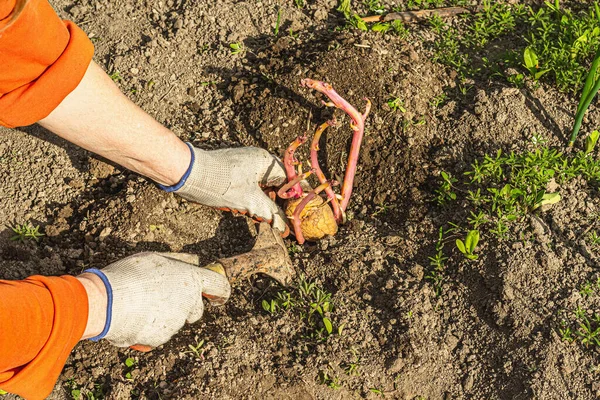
(97, 304)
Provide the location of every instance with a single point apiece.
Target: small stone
(178, 24)
(105, 232)
(134, 71)
(468, 382)
(417, 271)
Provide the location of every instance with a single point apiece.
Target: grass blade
(592, 85)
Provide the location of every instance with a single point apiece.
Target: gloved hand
(152, 295)
(230, 178)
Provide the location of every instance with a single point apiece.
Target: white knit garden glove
(231, 179)
(152, 295)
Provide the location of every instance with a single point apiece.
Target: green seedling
(591, 88)
(476, 220)
(566, 334)
(590, 141)
(292, 34)
(357, 22)
(300, 3)
(77, 393)
(587, 289)
(400, 29)
(532, 64)
(468, 246)
(589, 331)
(517, 80)
(130, 363)
(116, 76)
(381, 27)
(422, 4)
(437, 264)
(330, 380)
(351, 368)
(538, 140)
(344, 8)
(396, 104)
(594, 238)
(558, 42)
(382, 209)
(236, 48)
(438, 100)
(282, 301)
(376, 391)
(278, 22)
(26, 232)
(445, 193)
(2, 392)
(311, 304)
(196, 350)
(544, 199)
(294, 249)
(374, 6)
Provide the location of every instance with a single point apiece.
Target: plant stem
(287, 191)
(314, 162)
(358, 126)
(288, 162)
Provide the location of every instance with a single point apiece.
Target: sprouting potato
(317, 218)
(312, 218)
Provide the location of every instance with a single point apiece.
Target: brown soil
(491, 334)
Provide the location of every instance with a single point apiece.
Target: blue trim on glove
(180, 184)
(109, 305)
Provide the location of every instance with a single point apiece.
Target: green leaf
(531, 60)
(539, 74)
(328, 325)
(590, 141)
(461, 246)
(130, 362)
(75, 393)
(382, 27)
(341, 329)
(360, 23)
(128, 375)
(266, 306)
(2, 392)
(548, 198)
(472, 240)
(344, 7)
(319, 309)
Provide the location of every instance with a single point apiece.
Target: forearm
(99, 118)
(44, 317)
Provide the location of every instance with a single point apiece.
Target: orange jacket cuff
(43, 60)
(43, 319)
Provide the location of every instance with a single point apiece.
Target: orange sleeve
(42, 320)
(42, 59)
